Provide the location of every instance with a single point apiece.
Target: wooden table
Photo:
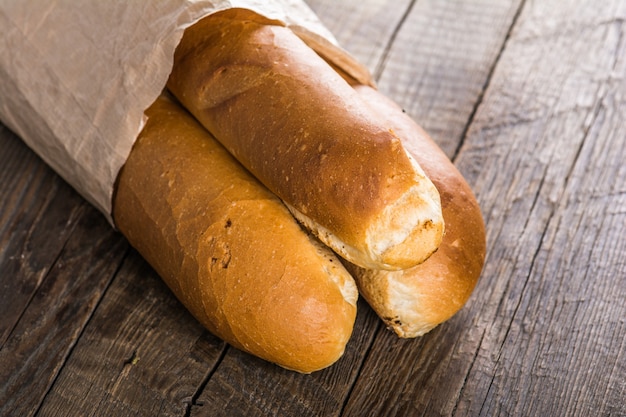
(529, 100)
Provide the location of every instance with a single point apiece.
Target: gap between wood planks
(193, 401)
(72, 221)
(481, 95)
(71, 347)
(382, 63)
(596, 113)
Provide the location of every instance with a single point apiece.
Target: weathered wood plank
(365, 28)
(441, 60)
(554, 325)
(141, 354)
(56, 315)
(545, 328)
(37, 214)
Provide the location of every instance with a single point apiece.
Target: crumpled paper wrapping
(76, 77)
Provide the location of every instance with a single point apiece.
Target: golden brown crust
(302, 130)
(229, 249)
(413, 301)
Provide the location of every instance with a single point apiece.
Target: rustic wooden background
(527, 98)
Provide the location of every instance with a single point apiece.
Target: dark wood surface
(529, 100)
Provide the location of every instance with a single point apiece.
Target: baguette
(413, 301)
(229, 249)
(290, 119)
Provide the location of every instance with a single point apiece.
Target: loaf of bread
(300, 128)
(413, 301)
(229, 249)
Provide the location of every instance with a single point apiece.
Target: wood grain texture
(557, 223)
(366, 28)
(55, 316)
(37, 214)
(530, 99)
(441, 61)
(141, 354)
